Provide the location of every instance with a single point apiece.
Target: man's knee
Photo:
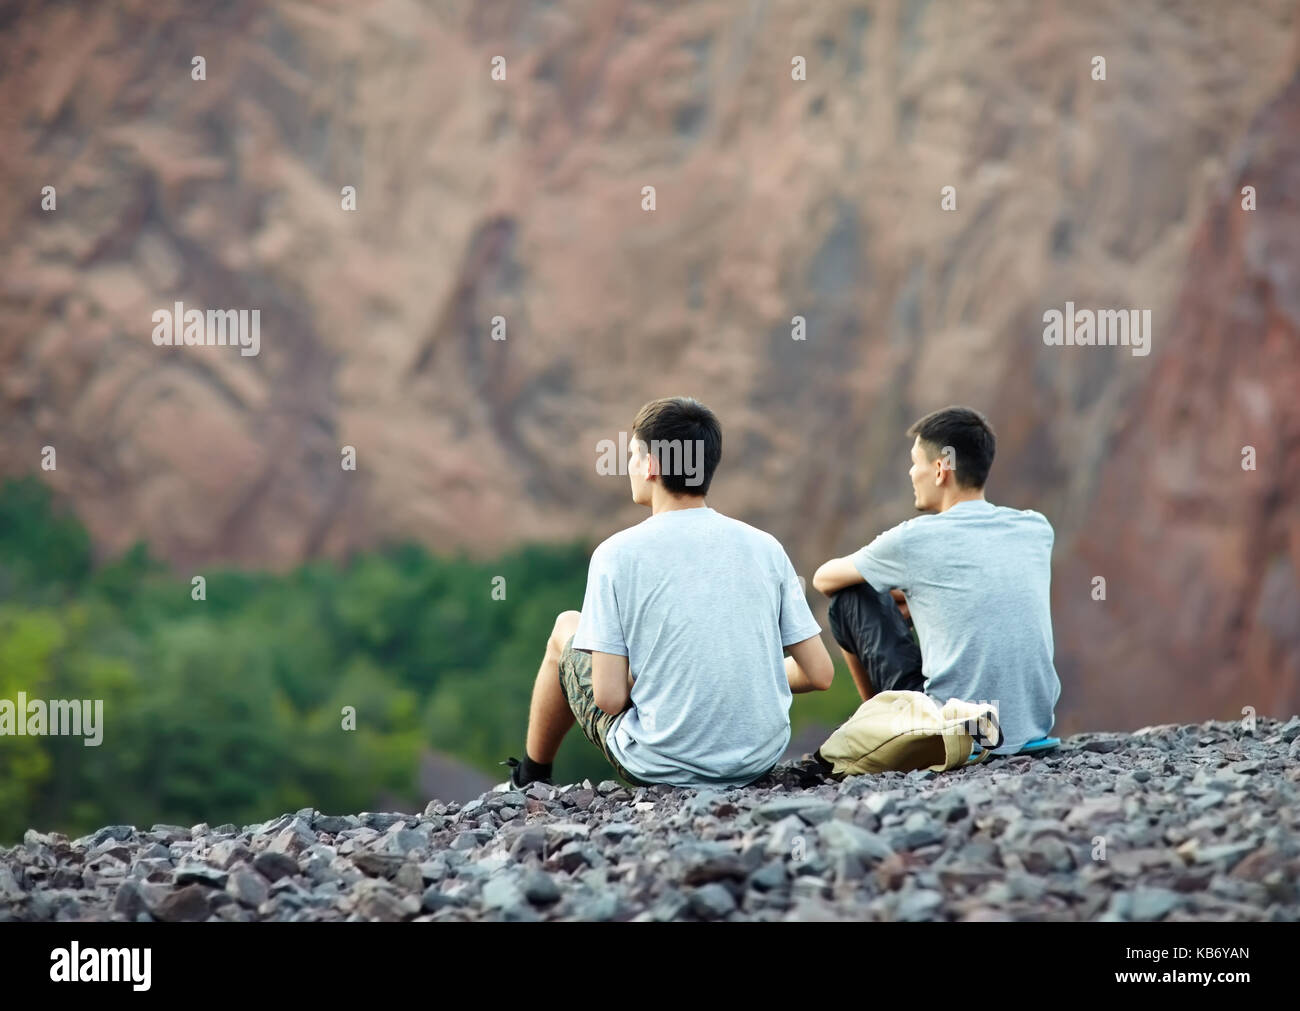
(846, 610)
(565, 625)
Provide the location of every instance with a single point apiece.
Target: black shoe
(513, 782)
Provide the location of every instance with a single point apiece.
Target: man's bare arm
(836, 575)
(611, 681)
(840, 573)
(808, 668)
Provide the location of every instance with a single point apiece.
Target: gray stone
(531, 840)
(916, 833)
(571, 857)
(1154, 903)
(785, 834)
(670, 906)
(406, 841)
(712, 902)
(810, 887)
(843, 837)
(1048, 855)
(702, 802)
(598, 908)
(383, 904)
(703, 862)
(184, 905)
(565, 831)
(769, 877)
(127, 902)
(169, 833)
(473, 807)
(274, 866)
(815, 865)
(1229, 853)
(378, 865)
(200, 874)
(500, 892)
(540, 888)
(435, 899)
(616, 830)
(847, 867)
(380, 822)
(10, 889)
(118, 832)
(1142, 904)
(247, 887)
(812, 810)
(409, 878)
(433, 870)
(275, 825)
(293, 838)
(919, 904)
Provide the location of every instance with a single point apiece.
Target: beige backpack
(903, 731)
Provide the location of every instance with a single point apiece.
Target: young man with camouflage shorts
(675, 665)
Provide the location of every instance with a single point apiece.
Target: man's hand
(901, 601)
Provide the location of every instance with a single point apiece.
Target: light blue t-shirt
(977, 578)
(702, 606)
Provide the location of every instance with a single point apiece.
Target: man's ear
(939, 469)
(651, 466)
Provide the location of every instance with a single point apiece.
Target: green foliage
(230, 708)
(41, 549)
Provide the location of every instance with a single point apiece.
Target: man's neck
(962, 495)
(662, 502)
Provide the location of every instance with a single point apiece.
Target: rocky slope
(1172, 822)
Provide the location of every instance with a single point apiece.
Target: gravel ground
(1172, 822)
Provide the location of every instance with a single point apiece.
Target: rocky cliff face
(523, 198)
(1196, 520)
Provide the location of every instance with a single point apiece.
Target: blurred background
(521, 196)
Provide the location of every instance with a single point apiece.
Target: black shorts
(867, 622)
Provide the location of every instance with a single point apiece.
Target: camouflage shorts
(575, 678)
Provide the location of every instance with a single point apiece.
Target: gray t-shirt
(977, 579)
(702, 606)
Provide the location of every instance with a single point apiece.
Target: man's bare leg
(549, 715)
(859, 673)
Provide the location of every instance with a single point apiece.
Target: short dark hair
(968, 433)
(681, 421)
